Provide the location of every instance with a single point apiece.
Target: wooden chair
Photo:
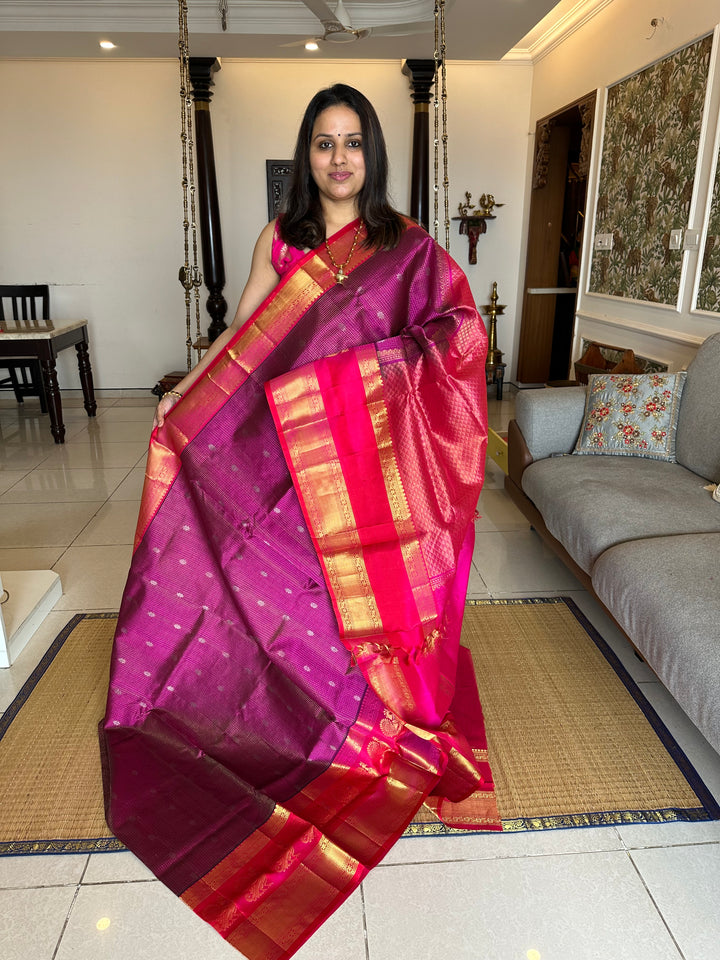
(30, 343)
(31, 303)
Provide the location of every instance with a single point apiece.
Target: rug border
(710, 809)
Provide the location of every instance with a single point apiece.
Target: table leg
(499, 382)
(86, 378)
(52, 394)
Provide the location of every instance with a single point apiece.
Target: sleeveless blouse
(282, 256)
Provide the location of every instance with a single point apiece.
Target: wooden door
(563, 144)
(541, 272)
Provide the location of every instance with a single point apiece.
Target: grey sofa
(643, 535)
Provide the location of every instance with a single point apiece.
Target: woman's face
(337, 162)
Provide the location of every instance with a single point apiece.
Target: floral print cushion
(631, 415)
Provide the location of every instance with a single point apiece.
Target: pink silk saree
(287, 686)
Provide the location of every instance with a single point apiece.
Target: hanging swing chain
(446, 179)
(189, 278)
(440, 89)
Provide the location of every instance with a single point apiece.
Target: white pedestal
(31, 596)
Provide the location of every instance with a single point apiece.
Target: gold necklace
(341, 276)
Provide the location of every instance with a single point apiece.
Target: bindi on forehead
(338, 134)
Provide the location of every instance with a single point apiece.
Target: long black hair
(302, 223)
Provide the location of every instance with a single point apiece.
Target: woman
(283, 688)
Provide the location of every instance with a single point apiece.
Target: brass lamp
(493, 311)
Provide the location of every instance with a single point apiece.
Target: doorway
(563, 144)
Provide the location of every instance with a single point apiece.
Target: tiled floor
(631, 893)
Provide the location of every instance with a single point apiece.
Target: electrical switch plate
(603, 241)
(676, 240)
(692, 239)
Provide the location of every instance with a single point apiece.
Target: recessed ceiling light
(107, 45)
(311, 45)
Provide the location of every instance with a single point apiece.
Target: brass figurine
(473, 221)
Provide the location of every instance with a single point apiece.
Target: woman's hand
(167, 402)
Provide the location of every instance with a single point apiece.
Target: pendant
(340, 276)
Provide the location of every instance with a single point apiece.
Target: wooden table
(44, 344)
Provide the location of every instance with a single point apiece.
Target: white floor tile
(114, 523)
(494, 476)
(41, 870)
(29, 558)
(669, 834)
(518, 560)
(136, 398)
(23, 456)
(123, 867)
(62, 485)
(44, 524)
(97, 454)
(130, 411)
(575, 907)
(684, 882)
(93, 578)
(74, 398)
(500, 414)
(117, 431)
(132, 486)
(477, 589)
(36, 429)
(31, 922)
(8, 478)
(498, 512)
(72, 412)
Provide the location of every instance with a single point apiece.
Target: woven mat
(572, 740)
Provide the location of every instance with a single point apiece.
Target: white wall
(489, 136)
(91, 199)
(605, 50)
(91, 204)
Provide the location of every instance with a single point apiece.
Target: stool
(495, 373)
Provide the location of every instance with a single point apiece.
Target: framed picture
(278, 174)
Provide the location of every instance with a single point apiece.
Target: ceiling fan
(338, 28)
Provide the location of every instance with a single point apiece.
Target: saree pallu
(283, 679)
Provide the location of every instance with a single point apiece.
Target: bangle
(171, 393)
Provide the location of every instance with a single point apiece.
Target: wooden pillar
(201, 70)
(421, 74)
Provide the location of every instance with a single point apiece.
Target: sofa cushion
(550, 419)
(591, 503)
(665, 594)
(697, 444)
(631, 415)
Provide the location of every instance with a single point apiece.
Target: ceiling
(476, 29)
